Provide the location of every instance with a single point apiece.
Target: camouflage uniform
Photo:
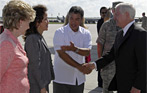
(106, 38)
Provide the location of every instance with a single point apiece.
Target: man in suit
(129, 53)
(103, 12)
(105, 42)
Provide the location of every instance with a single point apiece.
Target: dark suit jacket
(130, 57)
(40, 69)
(99, 24)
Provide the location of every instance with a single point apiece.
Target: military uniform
(106, 38)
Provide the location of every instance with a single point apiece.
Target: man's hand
(89, 65)
(135, 90)
(84, 69)
(70, 47)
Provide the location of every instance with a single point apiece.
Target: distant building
(91, 20)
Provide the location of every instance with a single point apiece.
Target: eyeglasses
(103, 12)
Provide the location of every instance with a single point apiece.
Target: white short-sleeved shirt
(64, 73)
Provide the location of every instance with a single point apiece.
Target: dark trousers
(64, 88)
(100, 81)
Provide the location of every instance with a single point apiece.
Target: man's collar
(125, 29)
(72, 30)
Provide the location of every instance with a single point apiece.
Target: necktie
(121, 35)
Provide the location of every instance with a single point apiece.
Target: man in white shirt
(72, 43)
(129, 53)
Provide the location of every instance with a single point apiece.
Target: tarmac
(91, 84)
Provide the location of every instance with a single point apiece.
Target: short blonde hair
(15, 11)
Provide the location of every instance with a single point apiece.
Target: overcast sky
(90, 7)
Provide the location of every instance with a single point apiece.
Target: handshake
(86, 68)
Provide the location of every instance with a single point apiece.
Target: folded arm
(80, 51)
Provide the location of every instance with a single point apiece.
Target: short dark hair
(77, 10)
(143, 13)
(102, 8)
(40, 11)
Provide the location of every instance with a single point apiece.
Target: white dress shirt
(125, 29)
(64, 73)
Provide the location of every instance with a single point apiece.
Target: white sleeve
(58, 39)
(95, 65)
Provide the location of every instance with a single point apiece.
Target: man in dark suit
(129, 52)
(103, 12)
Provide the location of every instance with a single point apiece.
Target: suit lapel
(125, 37)
(44, 43)
(119, 39)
